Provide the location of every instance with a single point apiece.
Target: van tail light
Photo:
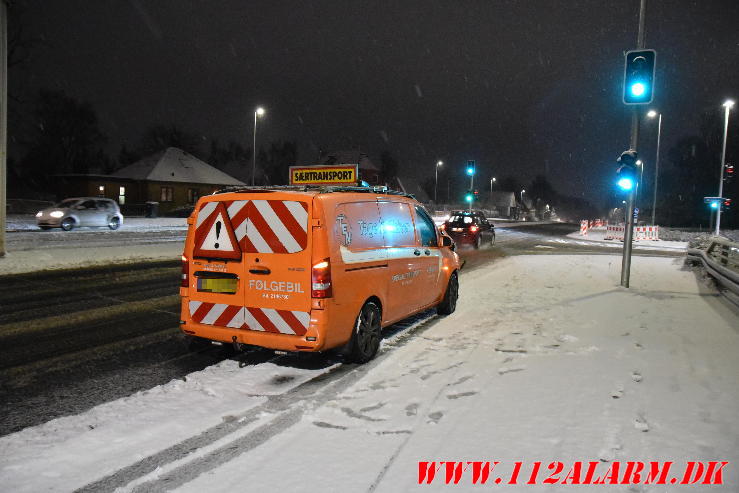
(321, 280)
(474, 228)
(185, 282)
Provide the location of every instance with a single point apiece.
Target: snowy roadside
(597, 236)
(546, 359)
(88, 247)
(16, 262)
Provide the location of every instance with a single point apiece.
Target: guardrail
(721, 260)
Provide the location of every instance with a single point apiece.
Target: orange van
(311, 269)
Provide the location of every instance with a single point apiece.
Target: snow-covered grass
(16, 262)
(597, 235)
(545, 359)
(695, 237)
(138, 239)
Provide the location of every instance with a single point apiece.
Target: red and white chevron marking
(261, 319)
(265, 226)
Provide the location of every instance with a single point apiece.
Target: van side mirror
(446, 241)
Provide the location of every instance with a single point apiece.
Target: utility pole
(633, 144)
(3, 119)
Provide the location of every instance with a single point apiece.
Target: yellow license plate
(227, 286)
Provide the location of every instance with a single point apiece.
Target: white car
(81, 211)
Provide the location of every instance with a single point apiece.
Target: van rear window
(260, 226)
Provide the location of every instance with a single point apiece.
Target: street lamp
(652, 114)
(258, 112)
(436, 179)
(728, 104)
(522, 204)
(492, 180)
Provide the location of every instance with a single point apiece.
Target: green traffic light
(638, 89)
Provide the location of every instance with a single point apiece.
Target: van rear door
(217, 291)
(273, 235)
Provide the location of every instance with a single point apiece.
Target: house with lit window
(172, 178)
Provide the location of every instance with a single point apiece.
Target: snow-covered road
(546, 359)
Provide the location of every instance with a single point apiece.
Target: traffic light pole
(633, 143)
(472, 189)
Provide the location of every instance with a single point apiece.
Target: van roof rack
(313, 188)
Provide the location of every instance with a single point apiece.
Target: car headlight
(39, 214)
(57, 214)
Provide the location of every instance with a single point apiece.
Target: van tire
(449, 303)
(365, 340)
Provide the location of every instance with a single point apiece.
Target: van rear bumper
(313, 340)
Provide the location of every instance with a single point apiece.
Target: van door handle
(416, 252)
(427, 252)
(262, 272)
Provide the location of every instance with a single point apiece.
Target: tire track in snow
(204, 452)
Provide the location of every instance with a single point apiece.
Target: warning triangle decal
(214, 236)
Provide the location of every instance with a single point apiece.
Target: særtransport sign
(324, 175)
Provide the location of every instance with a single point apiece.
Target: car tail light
(185, 282)
(474, 228)
(321, 280)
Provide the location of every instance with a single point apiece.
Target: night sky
(524, 87)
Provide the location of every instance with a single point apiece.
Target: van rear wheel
(449, 303)
(365, 339)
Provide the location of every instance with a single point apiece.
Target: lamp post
(436, 178)
(522, 204)
(492, 180)
(258, 112)
(652, 114)
(728, 104)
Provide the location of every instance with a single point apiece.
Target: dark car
(470, 227)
